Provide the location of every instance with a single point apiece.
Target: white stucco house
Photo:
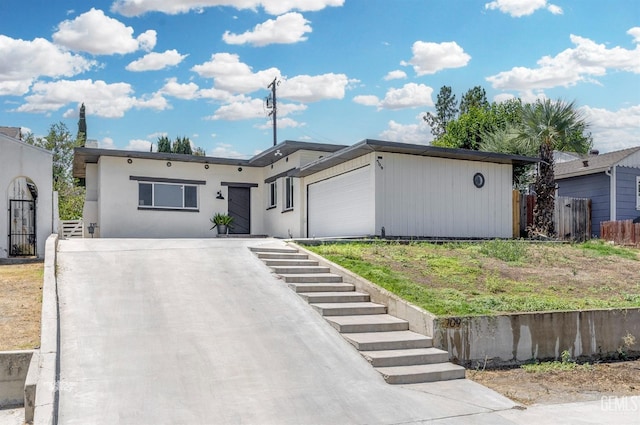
(301, 190)
(26, 198)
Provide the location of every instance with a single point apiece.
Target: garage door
(342, 205)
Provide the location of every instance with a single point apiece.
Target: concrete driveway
(200, 332)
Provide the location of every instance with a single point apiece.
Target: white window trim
(272, 195)
(288, 194)
(166, 208)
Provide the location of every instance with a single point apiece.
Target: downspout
(611, 172)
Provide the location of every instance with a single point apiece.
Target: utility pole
(271, 104)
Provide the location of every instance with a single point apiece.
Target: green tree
(446, 110)
(551, 125)
(198, 151)
(164, 144)
(507, 140)
(468, 130)
(82, 127)
(474, 98)
(182, 145)
(60, 142)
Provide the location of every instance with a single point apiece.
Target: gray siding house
(610, 180)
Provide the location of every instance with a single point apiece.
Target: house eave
(369, 145)
(83, 156)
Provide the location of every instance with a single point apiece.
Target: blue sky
(348, 69)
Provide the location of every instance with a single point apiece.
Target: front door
(240, 209)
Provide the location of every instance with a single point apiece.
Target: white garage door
(342, 205)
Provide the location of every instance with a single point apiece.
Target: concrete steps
(401, 356)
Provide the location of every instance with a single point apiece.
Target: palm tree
(508, 140)
(551, 125)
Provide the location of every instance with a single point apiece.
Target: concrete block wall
(14, 366)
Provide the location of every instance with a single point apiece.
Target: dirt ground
(20, 306)
(581, 384)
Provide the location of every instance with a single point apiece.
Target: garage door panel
(342, 205)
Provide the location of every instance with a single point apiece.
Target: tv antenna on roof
(271, 104)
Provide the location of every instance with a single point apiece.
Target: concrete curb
(14, 367)
(46, 400)
(420, 321)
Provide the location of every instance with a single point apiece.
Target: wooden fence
(572, 216)
(72, 228)
(624, 232)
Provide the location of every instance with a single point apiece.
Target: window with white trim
(638, 192)
(167, 196)
(273, 195)
(288, 193)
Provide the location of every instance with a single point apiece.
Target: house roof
(339, 154)
(8, 139)
(369, 145)
(14, 132)
(594, 164)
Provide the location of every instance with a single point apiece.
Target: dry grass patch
(20, 306)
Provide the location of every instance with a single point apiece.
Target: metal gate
(22, 228)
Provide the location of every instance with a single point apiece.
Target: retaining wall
(14, 366)
(512, 339)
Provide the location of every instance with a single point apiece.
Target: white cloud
(410, 95)
(395, 75)
(231, 75)
(635, 33)
(367, 100)
(419, 134)
(21, 62)
(569, 67)
(101, 99)
(225, 150)
(138, 145)
(518, 8)
(282, 123)
(429, 58)
(155, 61)
(285, 29)
(172, 7)
(613, 130)
(96, 33)
(107, 143)
(503, 97)
(181, 91)
(313, 88)
(246, 109)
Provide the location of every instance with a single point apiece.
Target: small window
(164, 195)
(273, 195)
(288, 193)
(638, 192)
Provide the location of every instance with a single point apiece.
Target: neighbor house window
(167, 195)
(273, 195)
(288, 193)
(638, 192)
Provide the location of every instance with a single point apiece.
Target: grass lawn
(20, 306)
(461, 279)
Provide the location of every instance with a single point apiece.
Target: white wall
(118, 198)
(436, 197)
(19, 159)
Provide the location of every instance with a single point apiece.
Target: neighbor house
(26, 196)
(302, 190)
(611, 180)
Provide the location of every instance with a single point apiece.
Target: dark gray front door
(22, 231)
(240, 209)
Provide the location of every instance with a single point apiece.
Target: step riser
(281, 256)
(391, 345)
(351, 311)
(289, 263)
(380, 327)
(311, 279)
(276, 250)
(319, 298)
(424, 377)
(409, 360)
(294, 270)
(321, 287)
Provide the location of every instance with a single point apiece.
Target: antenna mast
(271, 104)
